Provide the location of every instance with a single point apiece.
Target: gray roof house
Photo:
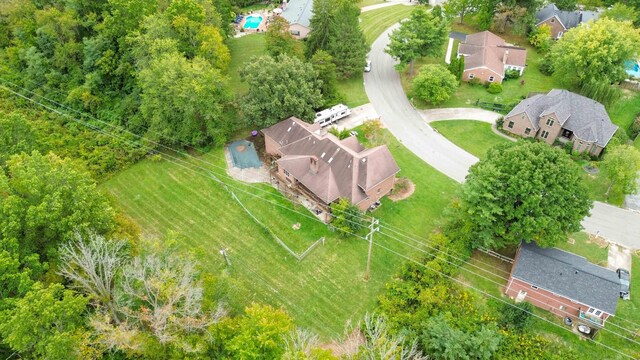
(298, 13)
(564, 283)
(564, 116)
(560, 20)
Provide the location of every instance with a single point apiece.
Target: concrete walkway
(447, 57)
(411, 128)
(358, 116)
(487, 116)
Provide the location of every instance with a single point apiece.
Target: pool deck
(266, 15)
(250, 175)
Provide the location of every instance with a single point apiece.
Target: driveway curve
(411, 128)
(385, 92)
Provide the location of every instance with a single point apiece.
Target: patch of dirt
(598, 241)
(296, 226)
(403, 189)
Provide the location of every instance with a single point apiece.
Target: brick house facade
(562, 116)
(561, 21)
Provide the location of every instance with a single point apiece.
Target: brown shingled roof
(486, 49)
(345, 168)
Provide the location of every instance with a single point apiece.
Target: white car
(367, 67)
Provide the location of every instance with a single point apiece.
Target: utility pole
(372, 229)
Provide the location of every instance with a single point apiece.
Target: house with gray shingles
(564, 116)
(325, 168)
(487, 57)
(298, 13)
(560, 21)
(563, 283)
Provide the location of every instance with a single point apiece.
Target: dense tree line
(103, 57)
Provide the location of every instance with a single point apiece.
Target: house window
(527, 131)
(545, 134)
(553, 20)
(471, 76)
(549, 122)
(295, 32)
(491, 78)
(560, 34)
(510, 125)
(286, 173)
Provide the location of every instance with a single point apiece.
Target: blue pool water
(633, 68)
(252, 22)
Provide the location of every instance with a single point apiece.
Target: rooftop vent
(364, 160)
(289, 129)
(330, 160)
(323, 154)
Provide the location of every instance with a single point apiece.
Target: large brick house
(560, 21)
(563, 283)
(487, 57)
(326, 168)
(564, 116)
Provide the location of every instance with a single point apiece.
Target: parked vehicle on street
(625, 282)
(367, 67)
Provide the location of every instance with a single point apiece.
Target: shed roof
(568, 275)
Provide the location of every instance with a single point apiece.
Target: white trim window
(545, 134)
(491, 78)
(471, 76)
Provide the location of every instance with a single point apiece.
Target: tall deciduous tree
(523, 191)
(47, 323)
(346, 217)
(461, 8)
(259, 333)
(423, 34)
(47, 200)
(622, 12)
(434, 84)
(347, 43)
(183, 101)
(280, 41)
(322, 28)
(595, 52)
(279, 88)
(621, 164)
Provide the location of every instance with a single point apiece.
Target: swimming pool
(252, 22)
(633, 68)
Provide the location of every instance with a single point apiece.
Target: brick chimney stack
(314, 164)
(506, 55)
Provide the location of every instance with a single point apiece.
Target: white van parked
(331, 115)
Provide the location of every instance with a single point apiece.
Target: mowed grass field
(375, 22)
(242, 50)
(473, 136)
(325, 290)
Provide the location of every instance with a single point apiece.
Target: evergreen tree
(321, 25)
(347, 43)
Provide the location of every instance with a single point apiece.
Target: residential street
(385, 92)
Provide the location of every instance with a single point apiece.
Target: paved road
(406, 123)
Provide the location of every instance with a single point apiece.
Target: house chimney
(314, 164)
(506, 55)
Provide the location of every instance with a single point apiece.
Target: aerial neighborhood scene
(320, 179)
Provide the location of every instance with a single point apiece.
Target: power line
(208, 170)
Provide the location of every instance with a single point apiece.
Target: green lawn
(353, 90)
(322, 292)
(473, 136)
(623, 112)
(364, 3)
(636, 143)
(242, 50)
(375, 22)
(584, 247)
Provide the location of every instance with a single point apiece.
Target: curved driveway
(385, 92)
